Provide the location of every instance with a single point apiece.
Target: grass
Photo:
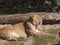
(19, 41)
(43, 39)
(54, 31)
(15, 43)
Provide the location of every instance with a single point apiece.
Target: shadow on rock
(57, 44)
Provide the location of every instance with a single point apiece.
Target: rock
(22, 17)
(49, 27)
(1, 26)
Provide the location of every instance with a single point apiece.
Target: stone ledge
(14, 18)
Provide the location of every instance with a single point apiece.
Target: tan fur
(32, 28)
(35, 19)
(13, 32)
(32, 23)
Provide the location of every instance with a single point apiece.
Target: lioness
(23, 29)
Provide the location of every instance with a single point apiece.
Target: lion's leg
(30, 25)
(33, 28)
(41, 23)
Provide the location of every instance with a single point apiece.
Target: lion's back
(16, 30)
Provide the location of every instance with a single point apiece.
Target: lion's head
(35, 19)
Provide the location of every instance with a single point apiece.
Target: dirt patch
(3, 42)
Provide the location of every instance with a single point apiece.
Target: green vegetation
(54, 32)
(43, 39)
(15, 43)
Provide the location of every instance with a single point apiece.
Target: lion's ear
(33, 14)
